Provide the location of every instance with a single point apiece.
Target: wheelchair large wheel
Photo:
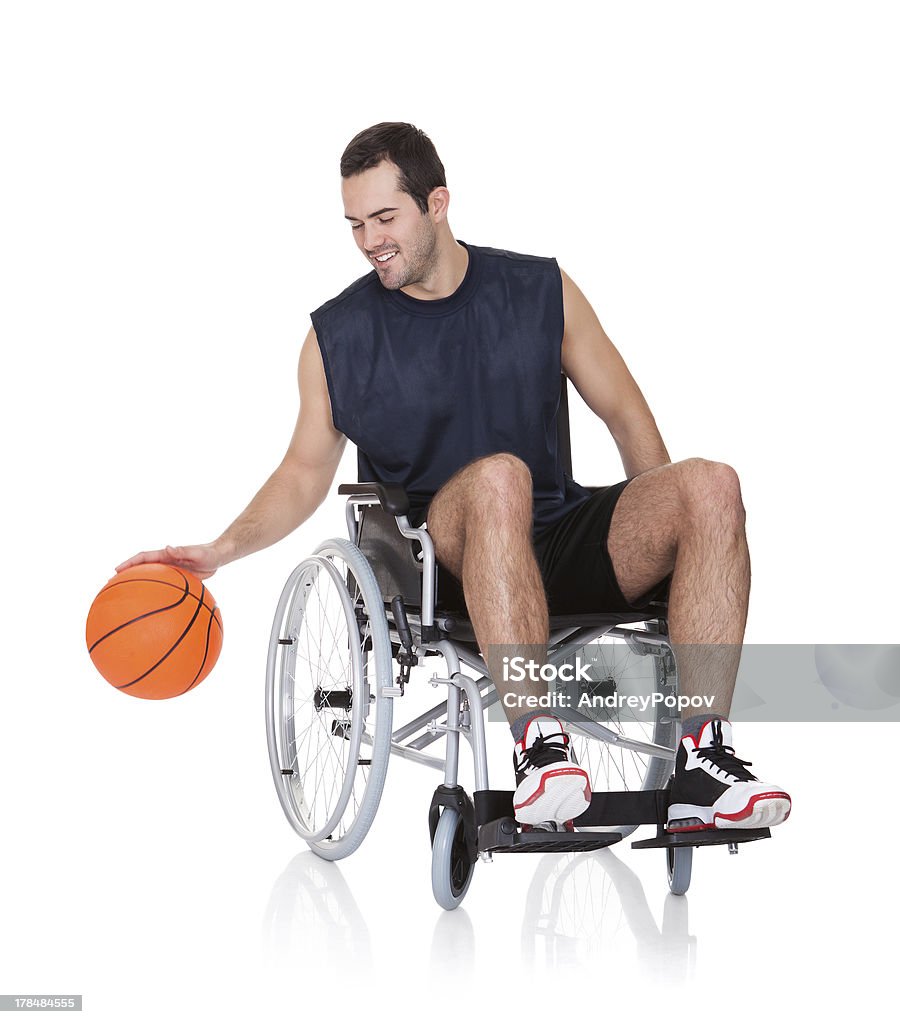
(451, 868)
(627, 668)
(327, 723)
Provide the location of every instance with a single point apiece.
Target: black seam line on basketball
(206, 649)
(164, 583)
(146, 615)
(153, 668)
(205, 656)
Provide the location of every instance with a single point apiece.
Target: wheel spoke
(617, 669)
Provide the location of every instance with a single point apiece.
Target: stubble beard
(421, 259)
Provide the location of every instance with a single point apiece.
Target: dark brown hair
(403, 144)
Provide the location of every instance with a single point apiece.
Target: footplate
(702, 837)
(504, 835)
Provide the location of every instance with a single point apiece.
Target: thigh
(643, 532)
(576, 565)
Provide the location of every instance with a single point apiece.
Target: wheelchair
(360, 614)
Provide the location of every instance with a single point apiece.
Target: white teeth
(385, 257)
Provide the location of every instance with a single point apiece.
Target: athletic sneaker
(713, 789)
(551, 789)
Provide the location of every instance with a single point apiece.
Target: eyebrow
(377, 213)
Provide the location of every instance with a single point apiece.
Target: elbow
(312, 481)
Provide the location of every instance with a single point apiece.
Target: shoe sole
(763, 810)
(556, 799)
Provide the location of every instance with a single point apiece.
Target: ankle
(693, 726)
(520, 724)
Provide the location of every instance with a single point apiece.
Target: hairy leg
(687, 518)
(480, 523)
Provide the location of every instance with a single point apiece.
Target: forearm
(287, 499)
(640, 445)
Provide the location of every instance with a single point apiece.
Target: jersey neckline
(449, 303)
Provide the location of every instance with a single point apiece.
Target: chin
(394, 281)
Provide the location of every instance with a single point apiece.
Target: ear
(438, 203)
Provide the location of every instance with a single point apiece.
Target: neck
(450, 264)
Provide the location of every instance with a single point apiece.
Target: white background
(720, 179)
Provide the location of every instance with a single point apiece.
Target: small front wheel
(451, 867)
(678, 868)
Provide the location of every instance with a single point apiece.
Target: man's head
(396, 198)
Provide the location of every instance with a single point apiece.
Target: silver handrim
(329, 657)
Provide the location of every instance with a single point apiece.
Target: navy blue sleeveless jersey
(423, 387)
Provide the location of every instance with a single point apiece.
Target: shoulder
(506, 259)
(358, 292)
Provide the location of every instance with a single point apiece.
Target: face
(387, 223)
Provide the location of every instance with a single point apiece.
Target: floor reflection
(312, 918)
(579, 910)
(581, 907)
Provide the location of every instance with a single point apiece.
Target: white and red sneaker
(713, 789)
(550, 787)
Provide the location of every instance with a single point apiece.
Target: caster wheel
(678, 868)
(451, 868)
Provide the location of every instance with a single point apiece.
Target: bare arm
(593, 364)
(291, 494)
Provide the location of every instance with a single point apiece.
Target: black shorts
(574, 562)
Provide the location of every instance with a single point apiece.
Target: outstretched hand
(200, 559)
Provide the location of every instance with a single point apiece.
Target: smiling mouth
(385, 257)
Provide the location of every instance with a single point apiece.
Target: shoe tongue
(544, 725)
(708, 733)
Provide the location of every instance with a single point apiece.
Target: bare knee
(709, 488)
(499, 489)
(492, 491)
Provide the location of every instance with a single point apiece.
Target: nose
(373, 237)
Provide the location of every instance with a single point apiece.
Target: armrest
(392, 497)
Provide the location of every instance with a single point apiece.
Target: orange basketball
(154, 631)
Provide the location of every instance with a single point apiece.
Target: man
(443, 365)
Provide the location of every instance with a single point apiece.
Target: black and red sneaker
(713, 789)
(551, 789)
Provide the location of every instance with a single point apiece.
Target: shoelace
(723, 757)
(544, 751)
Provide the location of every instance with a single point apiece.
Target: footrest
(504, 835)
(645, 807)
(702, 837)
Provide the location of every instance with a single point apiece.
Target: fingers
(168, 555)
(190, 558)
(140, 559)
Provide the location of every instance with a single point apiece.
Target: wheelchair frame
(380, 587)
(465, 829)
